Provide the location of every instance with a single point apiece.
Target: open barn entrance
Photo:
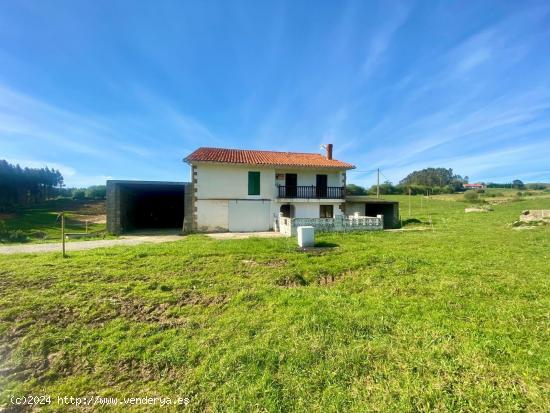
(371, 207)
(143, 205)
(379, 208)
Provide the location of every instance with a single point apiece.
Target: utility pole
(378, 183)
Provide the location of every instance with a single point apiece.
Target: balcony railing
(311, 192)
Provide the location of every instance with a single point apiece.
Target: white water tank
(306, 236)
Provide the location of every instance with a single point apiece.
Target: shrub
(352, 189)
(7, 235)
(471, 196)
(39, 235)
(17, 236)
(536, 186)
(96, 192)
(79, 194)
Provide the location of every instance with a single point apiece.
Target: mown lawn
(454, 319)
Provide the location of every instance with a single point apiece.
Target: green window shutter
(253, 183)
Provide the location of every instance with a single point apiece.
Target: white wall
(231, 182)
(212, 215)
(248, 216)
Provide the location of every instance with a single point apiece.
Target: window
(253, 183)
(326, 211)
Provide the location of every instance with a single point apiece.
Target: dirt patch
(164, 314)
(270, 264)
(316, 250)
(92, 211)
(468, 210)
(195, 298)
(158, 314)
(330, 279)
(291, 281)
(92, 219)
(7, 215)
(89, 208)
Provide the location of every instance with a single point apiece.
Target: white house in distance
(247, 190)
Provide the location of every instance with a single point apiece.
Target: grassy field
(41, 224)
(454, 319)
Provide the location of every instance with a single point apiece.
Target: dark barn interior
(145, 206)
(152, 207)
(385, 209)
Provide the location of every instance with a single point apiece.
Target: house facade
(249, 190)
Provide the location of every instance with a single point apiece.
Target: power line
(363, 172)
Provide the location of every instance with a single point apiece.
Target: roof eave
(191, 162)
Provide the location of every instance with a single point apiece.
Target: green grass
(450, 320)
(40, 223)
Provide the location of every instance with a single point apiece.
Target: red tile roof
(253, 157)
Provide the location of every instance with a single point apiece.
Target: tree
(516, 183)
(79, 194)
(434, 177)
(386, 188)
(23, 186)
(353, 189)
(96, 192)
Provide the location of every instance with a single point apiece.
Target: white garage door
(249, 215)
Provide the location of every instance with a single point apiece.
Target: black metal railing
(308, 192)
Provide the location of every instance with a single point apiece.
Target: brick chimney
(329, 151)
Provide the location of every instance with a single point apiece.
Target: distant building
(474, 186)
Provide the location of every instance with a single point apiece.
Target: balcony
(311, 192)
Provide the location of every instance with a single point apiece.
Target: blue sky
(125, 90)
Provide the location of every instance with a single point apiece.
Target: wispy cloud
(185, 127)
(66, 171)
(473, 52)
(72, 177)
(379, 42)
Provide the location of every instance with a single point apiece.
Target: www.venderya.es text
(98, 401)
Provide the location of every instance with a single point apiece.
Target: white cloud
(65, 170)
(381, 39)
(81, 181)
(473, 52)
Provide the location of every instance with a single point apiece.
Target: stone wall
(113, 208)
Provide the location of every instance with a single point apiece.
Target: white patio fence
(340, 223)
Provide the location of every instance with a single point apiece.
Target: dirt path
(87, 245)
(123, 240)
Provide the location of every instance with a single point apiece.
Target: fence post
(63, 233)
